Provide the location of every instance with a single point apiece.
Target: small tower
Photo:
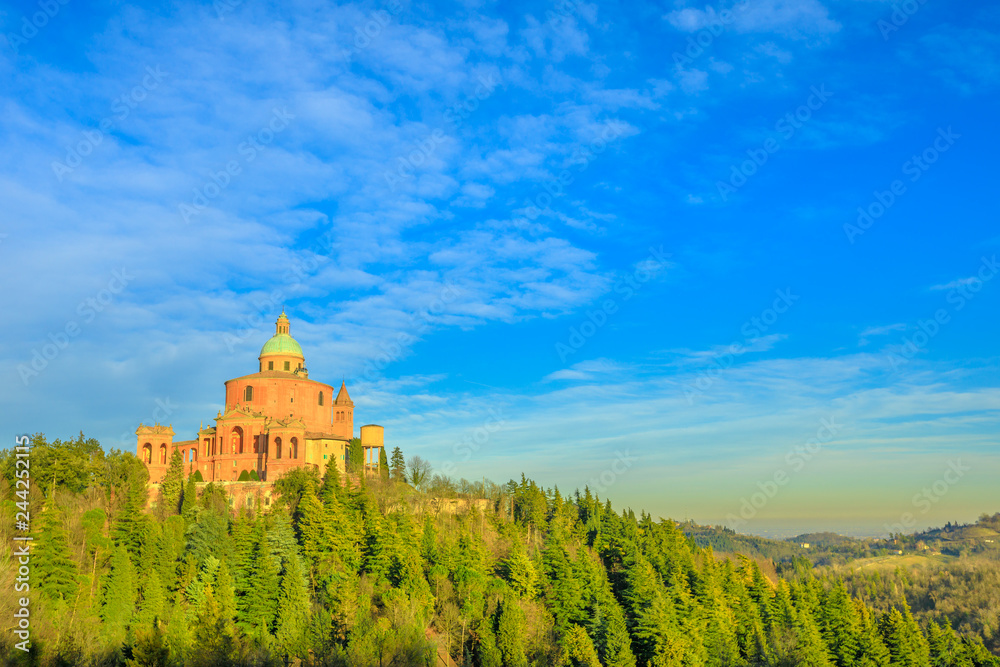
(342, 413)
(154, 446)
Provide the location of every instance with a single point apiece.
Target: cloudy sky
(728, 262)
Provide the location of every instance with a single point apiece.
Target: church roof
(343, 398)
(282, 375)
(282, 344)
(319, 435)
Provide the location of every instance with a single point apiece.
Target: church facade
(274, 420)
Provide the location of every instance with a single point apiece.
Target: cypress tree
(172, 485)
(189, 502)
(383, 464)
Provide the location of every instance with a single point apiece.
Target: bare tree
(419, 472)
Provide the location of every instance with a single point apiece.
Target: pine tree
(311, 527)
(293, 610)
(838, 625)
(119, 595)
(214, 635)
(520, 573)
(225, 593)
(397, 465)
(872, 651)
(510, 634)
(131, 523)
(153, 598)
(578, 649)
(54, 571)
(149, 650)
(650, 614)
(613, 642)
(259, 603)
(897, 638)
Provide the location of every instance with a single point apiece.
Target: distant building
(275, 420)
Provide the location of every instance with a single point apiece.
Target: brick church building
(274, 420)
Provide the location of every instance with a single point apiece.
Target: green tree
(510, 634)
(153, 597)
(260, 602)
(578, 649)
(293, 610)
(383, 464)
(130, 523)
(189, 500)
(120, 590)
(54, 570)
(172, 485)
(397, 465)
(520, 573)
(615, 644)
(214, 635)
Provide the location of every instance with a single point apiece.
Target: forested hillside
(361, 572)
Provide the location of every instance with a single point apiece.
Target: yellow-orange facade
(274, 420)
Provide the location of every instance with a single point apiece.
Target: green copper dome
(282, 344)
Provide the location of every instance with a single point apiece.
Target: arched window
(147, 453)
(277, 448)
(248, 393)
(236, 440)
(294, 448)
(194, 455)
(321, 398)
(163, 453)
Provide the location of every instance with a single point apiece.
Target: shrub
(253, 476)
(244, 477)
(197, 476)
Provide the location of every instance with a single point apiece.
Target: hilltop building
(274, 420)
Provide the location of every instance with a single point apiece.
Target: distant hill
(821, 539)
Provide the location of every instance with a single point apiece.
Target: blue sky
(671, 250)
